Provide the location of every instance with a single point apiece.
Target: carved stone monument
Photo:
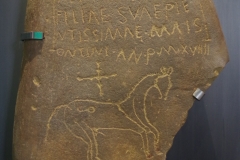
(113, 80)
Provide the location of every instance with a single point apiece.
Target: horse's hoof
(148, 155)
(158, 151)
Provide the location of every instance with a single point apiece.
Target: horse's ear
(170, 70)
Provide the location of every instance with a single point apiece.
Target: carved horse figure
(85, 119)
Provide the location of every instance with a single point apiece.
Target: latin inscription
(133, 36)
(88, 30)
(135, 55)
(130, 32)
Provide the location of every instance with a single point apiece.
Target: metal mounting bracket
(32, 36)
(198, 94)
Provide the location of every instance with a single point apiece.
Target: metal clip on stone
(198, 94)
(32, 36)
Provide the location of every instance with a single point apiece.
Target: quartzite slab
(113, 80)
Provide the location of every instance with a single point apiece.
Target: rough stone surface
(113, 80)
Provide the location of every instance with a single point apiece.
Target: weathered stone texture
(113, 80)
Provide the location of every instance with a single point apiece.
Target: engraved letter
(176, 27)
(72, 33)
(117, 33)
(104, 17)
(136, 15)
(157, 11)
(120, 11)
(128, 31)
(164, 28)
(169, 7)
(74, 18)
(150, 52)
(147, 12)
(60, 52)
(154, 30)
(193, 49)
(62, 36)
(121, 54)
(109, 32)
(93, 14)
(138, 33)
(96, 35)
(197, 25)
(184, 49)
(185, 5)
(64, 14)
(135, 56)
(86, 35)
(68, 52)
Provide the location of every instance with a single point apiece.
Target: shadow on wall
(194, 140)
(16, 21)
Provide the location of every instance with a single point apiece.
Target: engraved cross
(98, 77)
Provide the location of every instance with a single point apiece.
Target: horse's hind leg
(153, 129)
(156, 134)
(145, 141)
(147, 125)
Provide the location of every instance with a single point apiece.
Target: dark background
(212, 129)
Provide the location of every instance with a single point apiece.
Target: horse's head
(163, 81)
(166, 71)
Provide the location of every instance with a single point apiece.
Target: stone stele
(113, 80)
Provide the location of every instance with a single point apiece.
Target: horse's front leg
(82, 130)
(77, 129)
(92, 134)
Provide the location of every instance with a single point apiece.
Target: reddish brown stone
(113, 80)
